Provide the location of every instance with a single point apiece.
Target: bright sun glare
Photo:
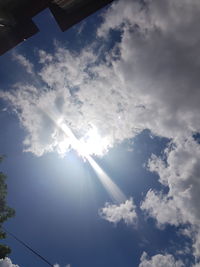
(90, 144)
(93, 143)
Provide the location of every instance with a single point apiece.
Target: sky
(100, 126)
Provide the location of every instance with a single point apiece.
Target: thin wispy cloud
(24, 62)
(57, 265)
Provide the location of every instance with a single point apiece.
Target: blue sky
(100, 127)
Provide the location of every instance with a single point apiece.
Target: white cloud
(57, 265)
(181, 173)
(159, 260)
(179, 170)
(24, 62)
(162, 208)
(121, 15)
(157, 53)
(7, 263)
(122, 212)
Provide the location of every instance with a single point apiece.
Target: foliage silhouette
(5, 212)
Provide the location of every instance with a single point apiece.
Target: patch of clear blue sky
(57, 200)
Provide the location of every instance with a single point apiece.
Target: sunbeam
(113, 190)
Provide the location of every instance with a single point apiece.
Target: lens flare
(93, 144)
(113, 190)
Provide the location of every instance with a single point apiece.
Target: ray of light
(113, 190)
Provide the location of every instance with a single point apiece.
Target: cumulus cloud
(122, 212)
(181, 173)
(179, 170)
(7, 263)
(159, 260)
(157, 51)
(161, 207)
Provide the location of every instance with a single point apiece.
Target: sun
(92, 143)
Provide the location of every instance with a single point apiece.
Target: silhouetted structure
(16, 23)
